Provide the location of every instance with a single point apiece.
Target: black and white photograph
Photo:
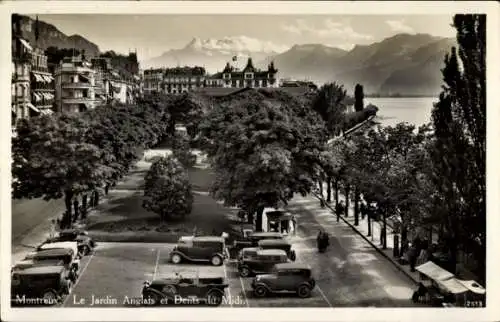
(269, 156)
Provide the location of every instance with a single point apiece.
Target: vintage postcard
(248, 161)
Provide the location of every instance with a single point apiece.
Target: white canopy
(434, 272)
(46, 111)
(26, 44)
(473, 286)
(453, 285)
(33, 107)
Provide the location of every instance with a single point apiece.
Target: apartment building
(21, 68)
(75, 85)
(42, 83)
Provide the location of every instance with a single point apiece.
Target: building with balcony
(75, 85)
(114, 84)
(21, 68)
(250, 76)
(153, 79)
(183, 79)
(41, 83)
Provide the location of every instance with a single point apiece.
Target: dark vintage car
(261, 261)
(278, 244)
(285, 278)
(200, 249)
(85, 244)
(39, 285)
(185, 289)
(251, 239)
(52, 257)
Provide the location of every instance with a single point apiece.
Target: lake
(392, 110)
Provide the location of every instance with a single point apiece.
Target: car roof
(267, 234)
(186, 274)
(53, 252)
(273, 242)
(35, 270)
(251, 249)
(209, 239)
(292, 266)
(271, 252)
(65, 244)
(33, 263)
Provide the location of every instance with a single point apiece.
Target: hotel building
(250, 76)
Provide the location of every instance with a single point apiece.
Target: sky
(152, 35)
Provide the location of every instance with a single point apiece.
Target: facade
(42, 83)
(153, 79)
(183, 79)
(250, 76)
(75, 85)
(21, 68)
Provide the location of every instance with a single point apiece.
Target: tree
(265, 145)
(168, 191)
(181, 150)
(330, 104)
(51, 160)
(358, 96)
(459, 150)
(188, 109)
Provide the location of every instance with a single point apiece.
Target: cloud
(328, 29)
(399, 26)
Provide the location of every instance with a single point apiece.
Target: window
(248, 75)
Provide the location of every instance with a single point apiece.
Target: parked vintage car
(185, 289)
(278, 244)
(39, 285)
(52, 257)
(60, 246)
(262, 262)
(200, 249)
(285, 278)
(85, 243)
(251, 239)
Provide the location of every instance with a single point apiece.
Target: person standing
(294, 224)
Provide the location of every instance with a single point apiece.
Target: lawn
(122, 218)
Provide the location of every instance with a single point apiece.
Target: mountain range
(402, 64)
(405, 64)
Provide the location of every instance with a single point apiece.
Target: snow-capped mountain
(214, 53)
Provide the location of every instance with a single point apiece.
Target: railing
(39, 69)
(76, 85)
(77, 100)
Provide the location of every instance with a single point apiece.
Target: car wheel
(260, 291)
(49, 297)
(176, 258)
(304, 291)
(214, 298)
(216, 260)
(293, 256)
(244, 272)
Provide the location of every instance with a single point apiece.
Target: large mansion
(250, 76)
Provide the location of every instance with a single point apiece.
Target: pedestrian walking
(363, 209)
(294, 224)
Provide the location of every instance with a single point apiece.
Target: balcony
(41, 69)
(76, 85)
(77, 100)
(23, 57)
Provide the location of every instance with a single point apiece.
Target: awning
(46, 112)
(37, 97)
(47, 78)
(452, 285)
(39, 78)
(26, 44)
(434, 272)
(473, 286)
(84, 76)
(33, 107)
